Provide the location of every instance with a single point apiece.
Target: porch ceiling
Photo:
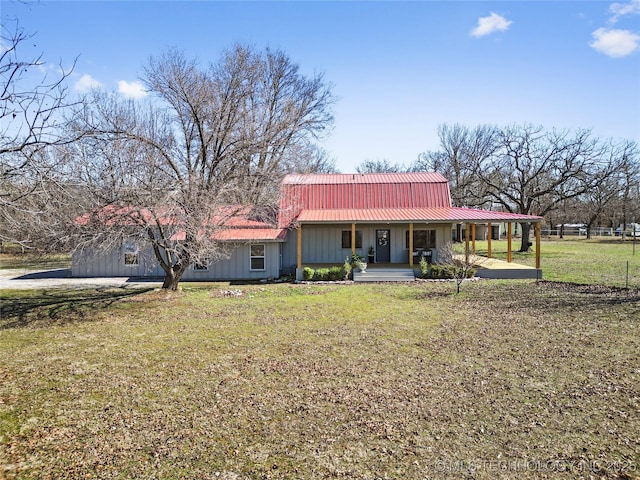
(434, 215)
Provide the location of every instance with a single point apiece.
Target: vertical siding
(289, 252)
(238, 266)
(323, 243)
(98, 263)
(92, 263)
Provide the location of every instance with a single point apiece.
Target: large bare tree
(522, 169)
(534, 169)
(210, 144)
(31, 121)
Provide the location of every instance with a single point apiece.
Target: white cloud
(491, 24)
(86, 83)
(615, 43)
(621, 9)
(131, 89)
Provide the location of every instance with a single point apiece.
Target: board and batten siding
(92, 263)
(238, 265)
(98, 263)
(322, 244)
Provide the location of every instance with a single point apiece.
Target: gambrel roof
(379, 197)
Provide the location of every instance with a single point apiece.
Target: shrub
(424, 267)
(347, 268)
(307, 273)
(322, 274)
(449, 271)
(436, 271)
(335, 274)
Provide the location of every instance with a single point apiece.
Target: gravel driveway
(32, 279)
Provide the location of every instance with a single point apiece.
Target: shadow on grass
(59, 306)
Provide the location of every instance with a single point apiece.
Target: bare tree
(212, 144)
(532, 170)
(30, 122)
(459, 267)
(462, 151)
(380, 166)
(607, 182)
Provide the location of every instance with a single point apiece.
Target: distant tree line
(564, 176)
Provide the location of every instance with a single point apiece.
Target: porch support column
(411, 245)
(467, 232)
(299, 252)
(538, 245)
(489, 232)
(509, 242)
(473, 238)
(353, 239)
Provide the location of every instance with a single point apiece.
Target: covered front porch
(400, 245)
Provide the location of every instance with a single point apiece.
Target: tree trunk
(172, 278)
(524, 244)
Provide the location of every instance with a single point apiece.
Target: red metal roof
(243, 235)
(386, 191)
(351, 178)
(251, 234)
(232, 216)
(436, 215)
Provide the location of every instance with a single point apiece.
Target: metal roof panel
(442, 215)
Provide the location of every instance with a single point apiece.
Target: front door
(383, 246)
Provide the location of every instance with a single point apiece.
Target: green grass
(321, 381)
(29, 261)
(599, 262)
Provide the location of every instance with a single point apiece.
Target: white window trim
(263, 257)
(130, 248)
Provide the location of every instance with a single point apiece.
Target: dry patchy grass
(508, 379)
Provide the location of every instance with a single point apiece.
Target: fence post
(627, 282)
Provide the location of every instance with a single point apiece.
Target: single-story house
(391, 218)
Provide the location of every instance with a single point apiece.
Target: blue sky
(399, 69)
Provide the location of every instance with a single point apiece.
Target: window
(130, 251)
(421, 239)
(257, 257)
(201, 265)
(346, 239)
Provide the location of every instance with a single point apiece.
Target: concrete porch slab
(494, 268)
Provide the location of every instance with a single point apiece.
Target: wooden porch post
(411, 245)
(509, 242)
(489, 240)
(353, 239)
(473, 238)
(538, 245)
(299, 245)
(467, 232)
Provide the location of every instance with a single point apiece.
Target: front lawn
(507, 379)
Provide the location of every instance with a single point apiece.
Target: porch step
(385, 275)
